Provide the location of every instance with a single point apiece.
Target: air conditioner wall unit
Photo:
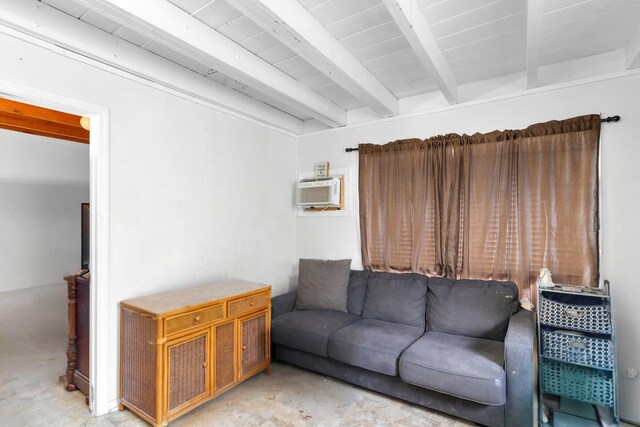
(324, 192)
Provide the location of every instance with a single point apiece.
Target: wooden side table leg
(72, 346)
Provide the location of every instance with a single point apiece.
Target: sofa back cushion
(472, 308)
(398, 298)
(357, 291)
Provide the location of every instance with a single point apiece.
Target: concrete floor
(33, 329)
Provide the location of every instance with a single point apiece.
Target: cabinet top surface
(177, 299)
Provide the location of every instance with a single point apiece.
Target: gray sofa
(459, 347)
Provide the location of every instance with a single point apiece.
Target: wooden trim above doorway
(27, 118)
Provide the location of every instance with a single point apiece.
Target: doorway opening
(101, 398)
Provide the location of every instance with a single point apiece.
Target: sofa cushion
(398, 298)
(357, 291)
(372, 344)
(470, 368)
(473, 308)
(309, 330)
(322, 284)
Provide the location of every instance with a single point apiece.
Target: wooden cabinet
(184, 347)
(77, 375)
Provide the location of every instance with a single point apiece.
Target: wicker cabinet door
(225, 356)
(188, 370)
(255, 345)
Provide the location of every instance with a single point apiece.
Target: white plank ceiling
(477, 39)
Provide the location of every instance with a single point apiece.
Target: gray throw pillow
(323, 284)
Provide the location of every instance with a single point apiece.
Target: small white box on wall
(346, 204)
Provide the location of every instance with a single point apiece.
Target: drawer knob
(244, 347)
(204, 364)
(197, 318)
(252, 303)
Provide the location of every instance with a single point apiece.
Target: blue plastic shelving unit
(576, 356)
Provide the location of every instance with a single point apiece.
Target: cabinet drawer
(583, 314)
(246, 304)
(194, 318)
(578, 348)
(578, 382)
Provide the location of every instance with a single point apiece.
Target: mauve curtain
(500, 205)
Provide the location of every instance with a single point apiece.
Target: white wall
(338, 237)
(196, 195)
(42, 183)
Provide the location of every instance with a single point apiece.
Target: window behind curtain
(500, 205)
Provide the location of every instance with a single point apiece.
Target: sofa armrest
(519, 354)
(282, 304)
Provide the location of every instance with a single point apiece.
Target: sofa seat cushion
(470, 368)
(372, 344)
(309, 330)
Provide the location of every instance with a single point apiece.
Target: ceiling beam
(633, 51)
(409, 18)
(46, 23)
(176, 29)
(290, 23)
(534, 33)
(26, 118)
(29, 110)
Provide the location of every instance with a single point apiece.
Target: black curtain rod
(604, 120)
